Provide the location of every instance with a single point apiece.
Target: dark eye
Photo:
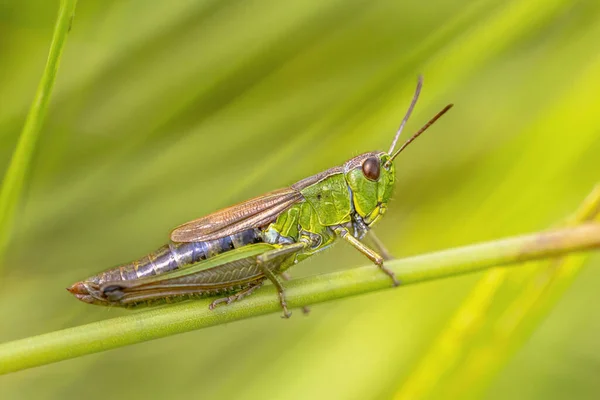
(370, 168)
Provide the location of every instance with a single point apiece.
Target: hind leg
(236, 296)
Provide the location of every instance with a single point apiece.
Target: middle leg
(272, 256)
(286, 277)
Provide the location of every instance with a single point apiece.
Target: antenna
(408, 112)
(420, 131)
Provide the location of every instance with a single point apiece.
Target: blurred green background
(166, 111)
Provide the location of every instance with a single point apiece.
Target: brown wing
(252, 213)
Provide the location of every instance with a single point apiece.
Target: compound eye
(371, 168)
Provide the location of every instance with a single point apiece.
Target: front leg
(370, 253)
(362, 231)
(379, 246)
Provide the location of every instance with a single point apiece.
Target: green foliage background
(165, 111)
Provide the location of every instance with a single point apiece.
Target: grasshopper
(232, 252)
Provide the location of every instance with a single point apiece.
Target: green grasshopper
(233, 251)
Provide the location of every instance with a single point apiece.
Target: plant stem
(183, 317)
(514, 323)
(465, 357)
(14, 180)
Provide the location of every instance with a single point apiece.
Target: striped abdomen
(177, 255)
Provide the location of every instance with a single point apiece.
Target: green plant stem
(14, 180)
(183, 317)
(514, 324)
(465, 356)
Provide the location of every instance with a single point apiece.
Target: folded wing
(253, 213)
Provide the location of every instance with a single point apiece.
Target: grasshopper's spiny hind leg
(236, 296)
(370, 253)
(263, 261)
(286, 277)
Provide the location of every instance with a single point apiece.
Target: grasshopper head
(371, 179)
(371, 175)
